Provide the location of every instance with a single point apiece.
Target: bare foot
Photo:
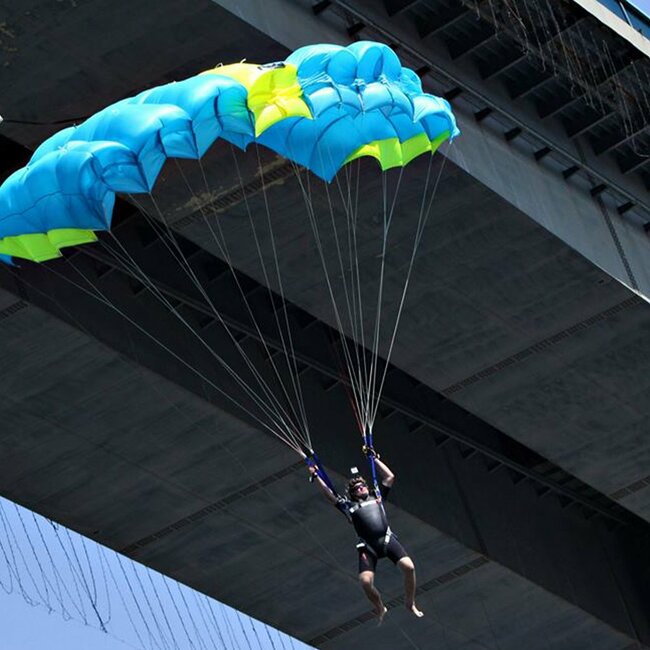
(380, 613)
(414, 610)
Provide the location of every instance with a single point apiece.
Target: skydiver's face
(360, 491)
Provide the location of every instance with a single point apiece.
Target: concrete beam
(461, 488)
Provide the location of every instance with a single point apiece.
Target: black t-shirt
(368, 517)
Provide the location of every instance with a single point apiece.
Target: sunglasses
(359, 486)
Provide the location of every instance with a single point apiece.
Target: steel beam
(535, 84)
(467, 47)
(443, 21)
(610, 144)
(394, 7)
(503, 65)
(321, 6)
(576, 130)
(571, 100)
(628, 167)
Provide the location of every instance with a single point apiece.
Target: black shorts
(368, 560)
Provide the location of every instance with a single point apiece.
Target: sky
(642, 5)
(49, 574)
(33, 628)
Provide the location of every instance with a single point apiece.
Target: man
(365, 510)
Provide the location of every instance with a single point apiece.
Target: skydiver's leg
(367, 579)
(396, 552)
(408, 568)
(367, 565)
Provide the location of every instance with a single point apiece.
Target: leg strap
(387, 536)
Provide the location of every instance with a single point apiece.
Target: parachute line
(270, 410)
(273, 409)
(97, 294)
(341, 330)
(223, 249)
(291, 354)
(387, 219)
(273, 403)
(422, 220)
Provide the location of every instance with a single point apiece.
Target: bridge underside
(513, 414)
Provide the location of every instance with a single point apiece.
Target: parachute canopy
(322, 107)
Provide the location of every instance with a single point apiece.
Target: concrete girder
(151, 257)
(462, 487)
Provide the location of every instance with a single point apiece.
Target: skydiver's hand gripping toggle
(316, 469)
(370, 452)
(312, 466)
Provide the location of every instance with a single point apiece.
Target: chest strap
(385, 540)
(364, 504)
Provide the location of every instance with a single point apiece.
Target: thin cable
(229, 625)
(274, 411)
(321, 255)
(208, 604)
(198, 606)
(84, 581)
(243, 629)
(277, 406)
(255, 632)
(352, 217)
(223, 248)
(178, 613)
(274, 406)
(135, 600)
(73, 574)
(119, 591)
(243, 467)
(46, 599)
(109, 616)
(268, 636)
(288, 358)
(230, 512)
(101, 298)
(351, 297)
(422, 220)
(162, 608)
(13, 566)
(55, 572)
(189, 613)
(94, 598)
(281, 289)
(387, 220)
(408, 638)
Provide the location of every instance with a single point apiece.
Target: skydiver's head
(358, 489)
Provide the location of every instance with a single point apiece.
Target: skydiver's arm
(331, 497)
(387, 477)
